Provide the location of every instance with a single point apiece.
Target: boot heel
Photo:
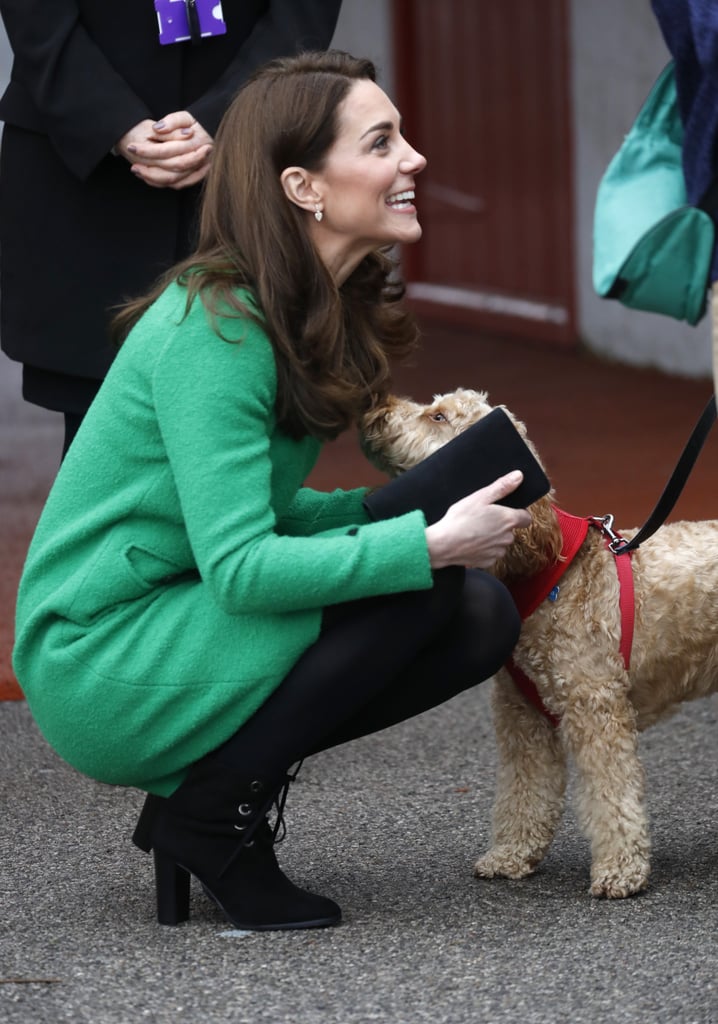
(172, 883)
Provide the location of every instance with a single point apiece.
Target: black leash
(675, 485)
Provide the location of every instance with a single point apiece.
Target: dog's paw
(504, 862)
(616, 881)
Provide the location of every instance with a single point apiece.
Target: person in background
(110, 116)
(192, 620)
(690, 31)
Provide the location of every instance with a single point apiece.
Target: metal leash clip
(605, 525)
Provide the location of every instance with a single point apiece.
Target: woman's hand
(475, 532)
(172, 153)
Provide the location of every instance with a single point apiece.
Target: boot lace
(278, 831)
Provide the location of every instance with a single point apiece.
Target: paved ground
(390, 825)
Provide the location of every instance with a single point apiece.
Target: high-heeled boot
(223, 838)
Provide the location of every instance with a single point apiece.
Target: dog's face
(401, 433)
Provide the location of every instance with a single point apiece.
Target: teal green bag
(651, 249)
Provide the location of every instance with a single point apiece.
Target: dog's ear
(374, 428)
(371, 417)
(377, 414)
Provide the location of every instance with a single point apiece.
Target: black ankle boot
(227, 844)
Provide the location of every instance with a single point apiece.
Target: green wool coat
(179, 568)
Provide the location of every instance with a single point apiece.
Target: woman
(191, 619)
(108, 133)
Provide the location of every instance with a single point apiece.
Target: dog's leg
(602, 736)
(531, 783)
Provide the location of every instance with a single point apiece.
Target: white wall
(364, 30)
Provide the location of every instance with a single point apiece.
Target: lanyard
(193, 21)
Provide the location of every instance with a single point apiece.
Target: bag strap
(676, 483)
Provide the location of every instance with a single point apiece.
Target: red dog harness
(528, 594)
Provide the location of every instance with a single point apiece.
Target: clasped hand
(475, 531)
(171, 153)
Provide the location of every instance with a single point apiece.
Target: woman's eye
(438, 417)
(381, 142)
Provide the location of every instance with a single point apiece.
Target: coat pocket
(154, 570)
(120, 574)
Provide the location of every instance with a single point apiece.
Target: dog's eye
(438, 417)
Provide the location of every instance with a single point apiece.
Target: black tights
(72, 425)
(378, 661)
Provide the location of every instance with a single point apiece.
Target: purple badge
(183, 21)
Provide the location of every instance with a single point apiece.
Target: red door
(483, 87)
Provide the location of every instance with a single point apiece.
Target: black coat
(79, 233)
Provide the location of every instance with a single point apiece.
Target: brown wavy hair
(333, 345)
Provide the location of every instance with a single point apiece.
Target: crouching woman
(192, 620)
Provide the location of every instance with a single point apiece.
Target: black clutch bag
(473, 459)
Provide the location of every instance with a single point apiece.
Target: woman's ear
(299, 188)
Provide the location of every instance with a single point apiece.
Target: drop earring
(318, 213)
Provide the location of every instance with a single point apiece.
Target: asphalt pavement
(389, 826)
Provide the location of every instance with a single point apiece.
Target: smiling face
(365, 188)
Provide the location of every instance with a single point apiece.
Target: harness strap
(529, 594)
(627, 604)
(627, 608)
(528, 688)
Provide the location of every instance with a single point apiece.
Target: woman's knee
(405, 612)
(485, 591)
(490, 619)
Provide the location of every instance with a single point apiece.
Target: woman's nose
(412, 162)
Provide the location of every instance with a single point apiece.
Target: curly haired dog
(569, 647)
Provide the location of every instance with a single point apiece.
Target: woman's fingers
(175, 173)
(475, 530)
(171, 153)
